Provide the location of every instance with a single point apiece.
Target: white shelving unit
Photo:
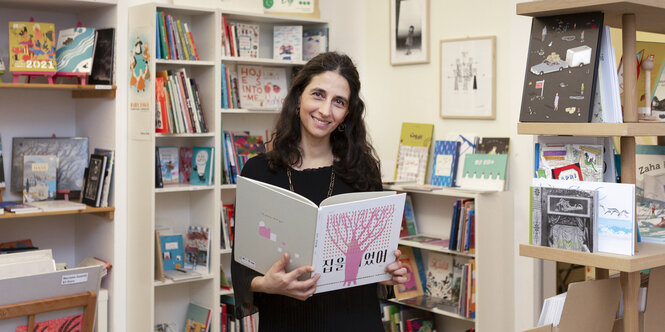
(68, 110)
(493, 210)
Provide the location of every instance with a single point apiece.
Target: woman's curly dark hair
(355, 158)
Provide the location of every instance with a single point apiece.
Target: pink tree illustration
(353, 232)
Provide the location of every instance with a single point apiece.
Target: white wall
(396, 94)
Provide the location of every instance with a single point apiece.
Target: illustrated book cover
(32, 47)
(197, 248)
(169, 161)
(484, 172)
(203, 159)
(172, 251)
(349, 240)
(413, 153)
(493, 145)
(261, 87)
(412, 286)
(102, 63)
(248, 40)
(197, 318)
(185, 165)
(94, 180)
(595, 156)
(314, 41)
(650, 189)
(39, 174)
(561, 70)
(468, 145)
(287, 42)
(75, 49)
(444, 165)
(439, 271)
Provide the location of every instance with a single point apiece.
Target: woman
(320, 149)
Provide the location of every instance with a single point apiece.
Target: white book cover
(287, 42)
(349, 240)
(248, 40)
(615, 212)
(262, 87)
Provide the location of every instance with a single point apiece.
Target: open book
(349, 240)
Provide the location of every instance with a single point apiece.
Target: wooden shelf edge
(591, 129)
(107, 212)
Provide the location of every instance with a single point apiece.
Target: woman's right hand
(278, 281)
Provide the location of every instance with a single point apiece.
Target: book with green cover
(413, 154)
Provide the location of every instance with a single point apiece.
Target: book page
(352, 197)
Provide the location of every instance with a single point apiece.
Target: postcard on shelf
(32, 47)
(444, 167)
(185, 165)
(262, 87)
(169, 159)
(203, 158)
(39, 174)
(650, 182)
(484, 172)
(75, 50)
(413, 154)
(561, 69)
(349, 239)
(287, 42)
(412, 286)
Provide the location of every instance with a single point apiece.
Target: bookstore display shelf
(649, 14)
(105, 212)
(262, 61)
(78, 91)
(182, 187)
(184, 62)
(440, 249)
(250, 111)
(592, 129)
(436, 310)
(647, 255)
(268, 18)
(168, 282)
(186, 135)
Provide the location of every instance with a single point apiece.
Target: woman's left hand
(396, 270)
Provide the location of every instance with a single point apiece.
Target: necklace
(330, 188)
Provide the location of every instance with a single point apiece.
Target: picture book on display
(649, 185)
(197, 249)
(583, 158)
(493, 145)
(39, 174)
(444, 165)
(412, 286)
(32, 47)
(197, 318)
(413, 154)
(203, 158)
(561, 69)
(169, 162)
(314, 41)
(262, 87)
(287, 42)
(75, 50)
(185, 165)
(484, 172)
(654, 52)
(94, 180)
(439, 271)
(248, 40)
(349, 239)
(467, 145)
(607, 97)
(172, 252)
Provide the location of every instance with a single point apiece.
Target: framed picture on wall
(467, 78)
(409, 32)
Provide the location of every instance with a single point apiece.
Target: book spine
(182, 40)
(191, 107)
(158, 39)
(173, 126)
(180, 54)
(107, 181)
(177, 103)
(228, 85)
(183, 103)
(164, 37)
(225, 91)
(236, 96)
(191, 42)
(225, 45)
(169, 31)
(199, 105)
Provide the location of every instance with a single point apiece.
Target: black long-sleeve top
(350, 309)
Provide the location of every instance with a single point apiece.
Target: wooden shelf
(107, 212)
(592, 129)
(649, 13)
(436, 310)
(78, 91)
(647, 255)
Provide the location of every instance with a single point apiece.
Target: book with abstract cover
(32, 47)
(248, 40)
(287, 42)
(203, 158)
(413, 154)
(587, 157)
(314, 41)
(169, 159)
(246, 147)
(261, 87)
(493, 145)
(39, 175)
(484, 172)
(75, 50)
(345, 247)
(561, 68)
(412, 286)
(197, 249)
(439, 275)
(650, 189)
(185, 166)
(444, 166)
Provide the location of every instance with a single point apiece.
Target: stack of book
(230, 94)
(178, 103)
(175, 40)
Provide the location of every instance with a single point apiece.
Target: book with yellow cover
(413, 154)
(32, 47)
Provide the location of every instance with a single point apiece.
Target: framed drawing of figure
(409, 32)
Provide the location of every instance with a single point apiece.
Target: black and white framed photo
(409, 32)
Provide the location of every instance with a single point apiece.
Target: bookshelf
(68, 110)
(433, 213)
(629, 16)
(173, 206)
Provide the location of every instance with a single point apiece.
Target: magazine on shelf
(349, 240)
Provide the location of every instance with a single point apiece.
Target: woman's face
(323, 105)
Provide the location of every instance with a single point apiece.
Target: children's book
(314, 41)
(39, 174)
(349, 240)
(197, 318)
(287, 42)
(172, 252)
(650, 188)
(444, 164)
(197, 249)
(484, 172)
(413, 155)
(262, 87)
(493, 145)
(468, 144)
(412, 286)
(439, 271)
(185, 165)
(561, 70)
(203, 158)
(169, 160)
(75, 50)
(32, 47)
(594, 157)
(248, 40)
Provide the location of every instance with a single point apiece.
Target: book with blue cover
(202, 165)
(444, 166)
(75, 50)
(172, 252)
